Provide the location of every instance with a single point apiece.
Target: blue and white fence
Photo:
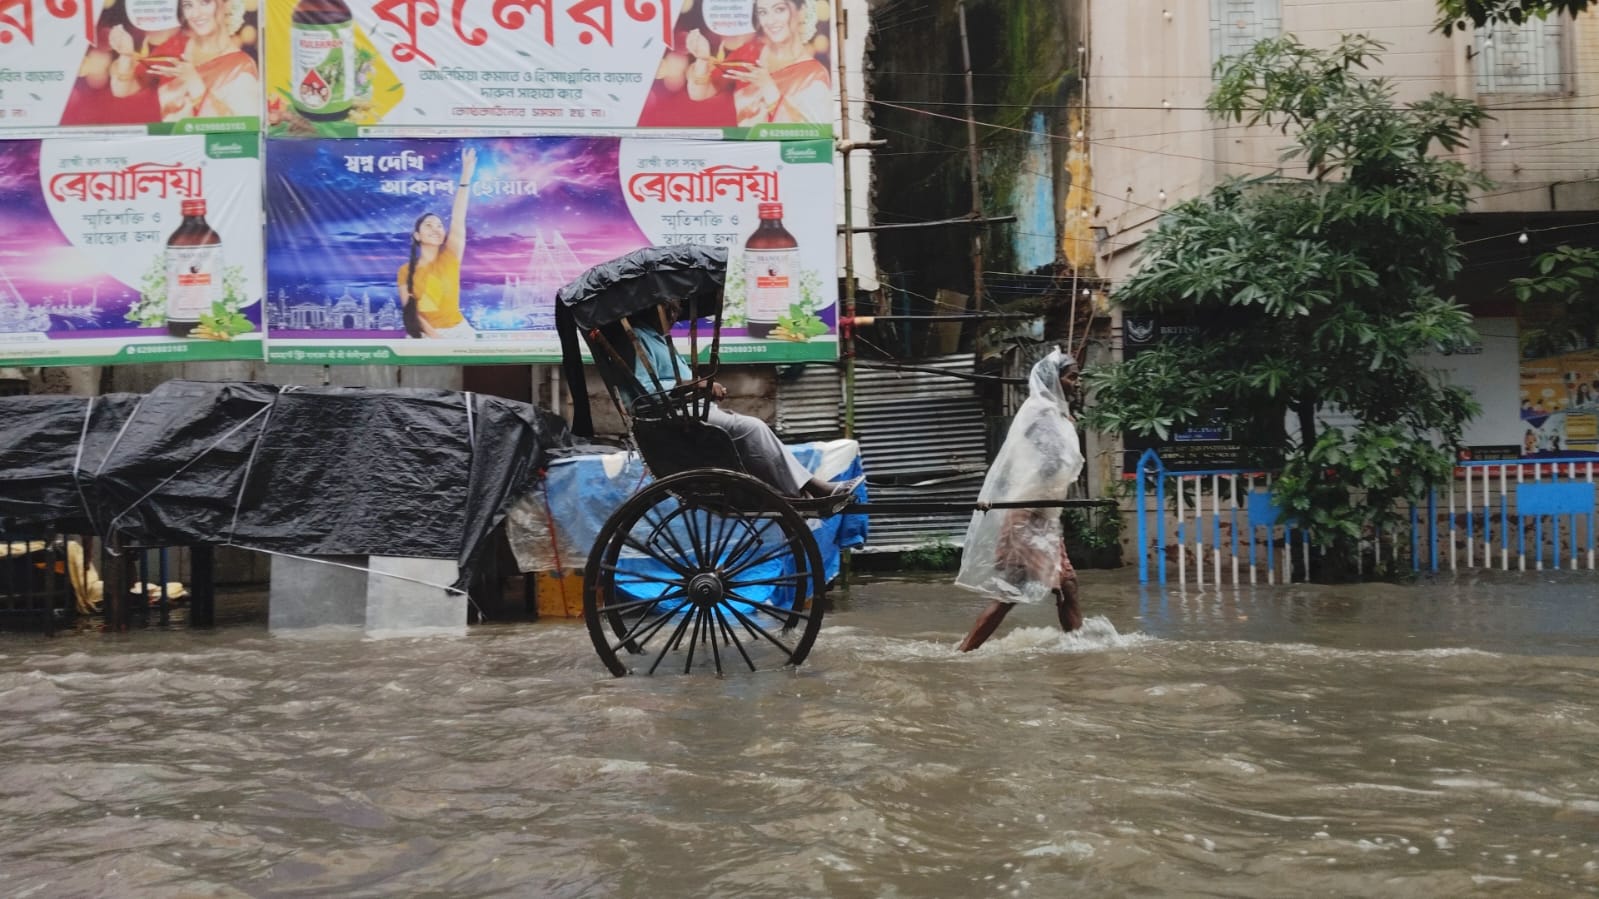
(1223, 525)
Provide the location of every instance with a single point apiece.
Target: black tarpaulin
(38, 443)
(171, 474)
(40, 440)
(307, 471)
(417, 473)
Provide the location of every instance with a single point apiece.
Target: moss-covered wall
(1024, 63)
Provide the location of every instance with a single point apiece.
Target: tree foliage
(1567, 277)
(1313, 292)
(1453, 14)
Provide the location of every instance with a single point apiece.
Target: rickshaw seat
(683, 443)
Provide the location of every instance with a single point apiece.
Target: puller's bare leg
(986, 624)
(1066, 605)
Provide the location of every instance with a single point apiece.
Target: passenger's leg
(763, 454)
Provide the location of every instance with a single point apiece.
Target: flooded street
(1425, 740)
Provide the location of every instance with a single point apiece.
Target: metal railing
(53, 580)
(1224, 526)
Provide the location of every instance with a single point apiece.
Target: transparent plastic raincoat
(1016, 555)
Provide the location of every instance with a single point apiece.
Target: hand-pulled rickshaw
(705, 565)
(705, 561)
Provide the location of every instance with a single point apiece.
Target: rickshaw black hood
(611, 291)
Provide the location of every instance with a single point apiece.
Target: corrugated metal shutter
(923, 437)
(919, 425)
(810, 404)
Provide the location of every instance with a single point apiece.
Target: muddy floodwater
(1437, 739)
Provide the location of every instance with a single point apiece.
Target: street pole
(971, 149)
(846, 330)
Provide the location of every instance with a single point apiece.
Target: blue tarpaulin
(554, 527)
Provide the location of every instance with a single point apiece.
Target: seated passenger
(763, 455)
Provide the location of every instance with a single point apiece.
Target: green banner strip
(785, 133)
(221, 125)
(142, 353)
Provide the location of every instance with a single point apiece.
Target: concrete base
(385, 600)
(308, 593)
(396, 603)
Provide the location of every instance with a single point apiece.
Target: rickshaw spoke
(642, 576)
(652, 624)
(692, 526)
(768, 608)
(751, 536)
(629, 541)
(795, 578)
(710, 637)
(749, 541)
(760, 630)
(775, 553)
(626, 607)
(694, 637)
(676, 636)
(663, 528)
(723, 534)
(732, 638)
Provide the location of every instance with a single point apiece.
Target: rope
(555, 543)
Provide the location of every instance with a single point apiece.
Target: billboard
(140, 250)
(1559, 381)
(450, 250)
(388, 68)
(129, 66)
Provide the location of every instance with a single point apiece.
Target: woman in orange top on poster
(430, 282)
(775, 78)
(210, 77)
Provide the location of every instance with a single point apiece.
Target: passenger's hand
(718, 391)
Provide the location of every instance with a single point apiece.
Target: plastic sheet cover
(553, 527)
(308, 471)
(1015, 555)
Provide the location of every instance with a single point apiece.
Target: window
(1237, 25)
(1519, 59)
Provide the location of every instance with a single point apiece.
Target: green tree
(1566, 277)
(1453, 14)
(1313, 292)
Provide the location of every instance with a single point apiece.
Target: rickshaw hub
(706, 589)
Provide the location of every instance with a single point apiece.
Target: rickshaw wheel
(706, 568)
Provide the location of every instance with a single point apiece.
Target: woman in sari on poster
(774, 78)
(205, 75)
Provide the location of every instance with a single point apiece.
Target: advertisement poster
(450, 251)
(139, 250)
(1559, 381)
(129, 66)
(757, 69)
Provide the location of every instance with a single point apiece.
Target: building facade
(1149, 70)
